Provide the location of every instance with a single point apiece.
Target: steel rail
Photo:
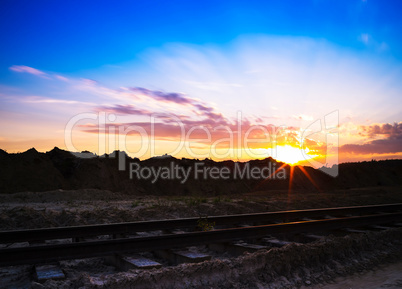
(51, 253)
(190, 223)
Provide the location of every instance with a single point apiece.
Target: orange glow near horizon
(291, 155)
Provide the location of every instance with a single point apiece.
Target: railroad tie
(235, 249)
(126, 262)
(182, 256)
(48, 272)
(241, 248)
(313, 236)
(275, 242)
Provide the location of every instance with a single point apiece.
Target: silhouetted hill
(368, 174)
(30, 170)
(59, 169)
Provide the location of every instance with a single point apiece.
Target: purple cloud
(392, 143)
(163, 96)
(386, 129)
(380, 146)
(123, 109)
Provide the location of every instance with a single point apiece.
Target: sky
(315, 82)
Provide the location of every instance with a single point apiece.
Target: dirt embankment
(291, 266)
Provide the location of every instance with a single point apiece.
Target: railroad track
(123, 238)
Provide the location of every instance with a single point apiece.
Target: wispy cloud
(163, 96)
(88, 81)
(60, 77)
(123, 109)
(190, 110)
(27, 69)
(37, 72)
(39, 99)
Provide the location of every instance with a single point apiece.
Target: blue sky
(80, 35)
(279, 62)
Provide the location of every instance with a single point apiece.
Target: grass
(161, 202)
(220, 199)
(195, 201)
(189, 201)
(136, 203)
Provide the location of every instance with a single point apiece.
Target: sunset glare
(291, 155)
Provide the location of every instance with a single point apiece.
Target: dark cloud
(386, 129)
(203, 107)
(391, 141)
(380, 146)
(123, 109)
(198, 109)
(164, 96)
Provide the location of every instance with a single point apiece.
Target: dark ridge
(31, 151)
(3, 153)
(60, 169)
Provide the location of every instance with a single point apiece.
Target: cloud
(163, 96)
(386, 129)
(123, 109)
(390, 142)
(27, 69)
(89, 81)
(193, 116)
(381, 146)
(37, 72)
(190, 110)
(59, 77)
(39, 99)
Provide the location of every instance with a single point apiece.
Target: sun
(291, 155)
